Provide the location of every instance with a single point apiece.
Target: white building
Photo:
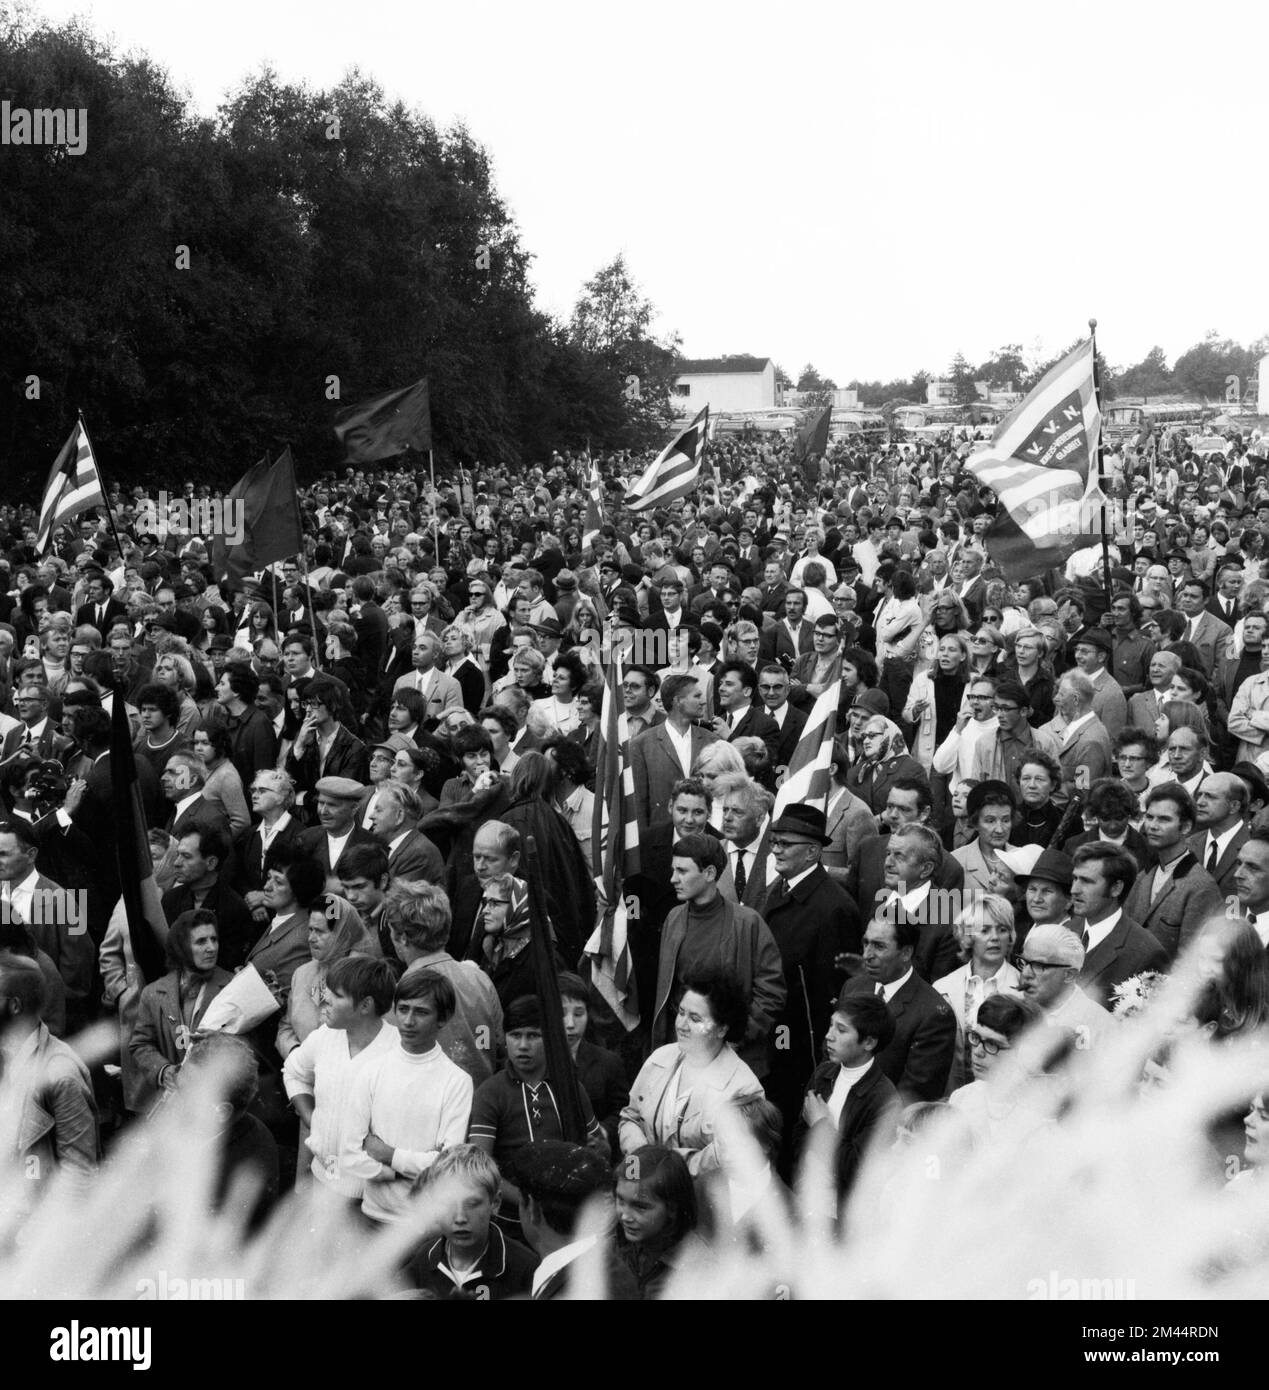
(725, 383)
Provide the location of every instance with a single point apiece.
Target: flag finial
(1092, 325)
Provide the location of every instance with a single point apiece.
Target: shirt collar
(561, 1259)
(889, 991)
(1097, 932)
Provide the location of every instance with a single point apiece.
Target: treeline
(207, 290)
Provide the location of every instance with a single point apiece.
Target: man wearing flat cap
(813, 920)
(1092, 651)
(336, 829)
(558, 1182)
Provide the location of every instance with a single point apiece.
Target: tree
(1107, 380)
(961, 375)
(1203, 369)
(819, 388)
(1005, 369)
(1149, 377)
(612, 322)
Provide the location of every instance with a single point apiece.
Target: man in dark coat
(813, 922)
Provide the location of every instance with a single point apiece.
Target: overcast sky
(867, 188)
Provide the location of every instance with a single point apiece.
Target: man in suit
(1251, 882)
(973, 588)
(336, 827)
(638, 688)
(412, 857)
(440, 691)
(183, 778)
(913, 855)
(1223, 604)
(1208, 633)
(773, 689)
(370, 623)
(1113, 805)
(747, 831)
(324, 747)
(1093, 651)
(792, 636)
(907, 803)
(1221, 828)
(918, 1059)
(1116, 947)
(1085, 752)
(737, 684)
(36, 731)
(102, 608)
(1147, 705)
(813, 922)
(664, 755)
(774, 587)
(1177, 897)
(200, 859)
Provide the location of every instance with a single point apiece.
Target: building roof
(715, 366)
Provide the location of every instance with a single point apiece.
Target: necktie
(1084, 938)
(1211, 860)
(741, 877)
(881, 989)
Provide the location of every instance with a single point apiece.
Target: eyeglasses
(1023, 964)
(989, 1045)
(982, 638)
(1005, 709)
(873, 733)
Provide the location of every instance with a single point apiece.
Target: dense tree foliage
(205, 290)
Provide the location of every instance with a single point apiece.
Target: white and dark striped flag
(73, 486)
(676, 470)
(1042, 465)
(594, 506)
(615, 855)
(809, 779)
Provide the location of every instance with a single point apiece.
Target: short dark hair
(1117, 865)
(1015, 692)
(869, 1016)
(690, 786)
(1177, 795)
(570, 758)
(914, 784)
(471, 738)
(365, 860)
(163, 699)
(672, 687)
(428, 984)
(243, 681)
(748, 676)
(728, 998)
(705, 851)
(212, 841)
(1109, 798)
(364, 977)
(863, 662)
(505, 720)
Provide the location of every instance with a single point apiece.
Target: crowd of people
(1044, 794)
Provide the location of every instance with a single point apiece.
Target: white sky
(867, 188)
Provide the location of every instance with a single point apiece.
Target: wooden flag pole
(1101, 469)
(105, 493)
(436, 520)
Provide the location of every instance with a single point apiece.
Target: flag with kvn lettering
(676, 470)
(809, 778)
(1042, 465)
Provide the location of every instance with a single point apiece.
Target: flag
(387, 425)
(594, 506)
(615, 855)
(676, 470)
(73, 486)
(266, 501)
(812, 438)
(147, 926)
(810, 776)
(1039, 463)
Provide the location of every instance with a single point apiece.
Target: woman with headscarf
(335, 930)
(884, 758)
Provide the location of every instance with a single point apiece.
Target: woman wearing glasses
(1006, 1099)
(948, 616)
(884, 758)
(986, 651)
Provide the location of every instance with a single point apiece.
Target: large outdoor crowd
(1043, 794)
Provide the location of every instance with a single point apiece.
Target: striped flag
(676, 470)
(594, 506)
(1040, 463)
(73, 486)
(810, 776)
(615, 855)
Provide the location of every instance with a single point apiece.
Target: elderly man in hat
(336, 828)
(813, 920)
(1046, 891)
(1093, 651)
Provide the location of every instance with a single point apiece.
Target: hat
(807, 821)
(1255, 779)
(632, 574)
(566, 581)
(628, 613)
(549, 626)
(666, 577)
(569, 1173)
(979, 795)
(221, 643)
(1053, 867)
(342, 788)
(874, 701)
(394, 743)
(1094, 637)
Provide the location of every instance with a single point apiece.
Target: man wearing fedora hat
(1046, 889)
(813, 920)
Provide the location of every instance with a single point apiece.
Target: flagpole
(436, 521)
(1101, 469)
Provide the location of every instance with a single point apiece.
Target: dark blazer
(199, 815)
(1134, 842)
(235, 926)
(52, 743)
(87, 616)
(283, 951)
(250, 869)
(347, 758)
(604, 1080)
(871, 782)
(919, 1058)
(1128, 950)
(656, 768)
(313, 843)
(1087, 757)
(935, 954)
(777, 645)
(621, 1284)
(1187, 900)
(789, 733)
(416, 859)
(866, 877)
(812, 923)
(871, 1113)
(506, 1270)
(1224, 874)
(757, 723)
(755, 875)
(154, 1044)
(371, 627)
